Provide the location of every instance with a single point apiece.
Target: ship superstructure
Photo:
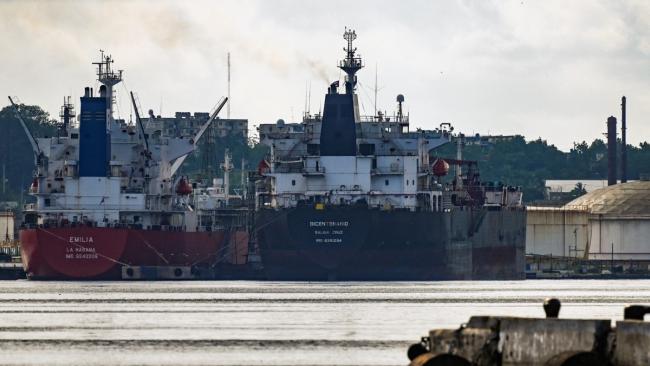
(108, 196)
(353, 197)
(105, 172)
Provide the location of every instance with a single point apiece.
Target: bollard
(415, 350)
(635, 312)
(552, 307)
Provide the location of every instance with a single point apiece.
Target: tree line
(528, 164)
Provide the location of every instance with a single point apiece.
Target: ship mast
(352, 63)
(108, 78)
(227, 168)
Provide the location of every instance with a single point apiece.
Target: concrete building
(187, 124)
(559, 190)
(611, 223)
(556, 232)
(488, 140)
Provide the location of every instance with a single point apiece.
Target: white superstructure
(391, 169)
(138, 185)
(343, 158)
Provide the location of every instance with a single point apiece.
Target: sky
(543, 69)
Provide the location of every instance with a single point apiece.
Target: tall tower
(611, 151)
(623, 142)
(351, 63)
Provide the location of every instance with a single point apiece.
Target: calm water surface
(266, 323)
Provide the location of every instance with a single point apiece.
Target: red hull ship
(110, 204)
(90, 253)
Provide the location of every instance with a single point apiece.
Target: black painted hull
(355, 243)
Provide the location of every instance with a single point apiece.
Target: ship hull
(356, 243)
(91, 253)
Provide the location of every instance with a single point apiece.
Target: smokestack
(611, 151)
(623, 143)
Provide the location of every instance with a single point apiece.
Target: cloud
(551, 69)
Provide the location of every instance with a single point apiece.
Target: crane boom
(137, 117)
(178, 162)
(30, 137)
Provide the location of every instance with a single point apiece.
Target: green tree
(15, 150)
(578, 190)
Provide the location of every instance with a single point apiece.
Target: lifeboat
(263, 167)
(440, 168)
(34, 187)
(183, 188)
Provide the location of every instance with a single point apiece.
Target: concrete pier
(512, 341)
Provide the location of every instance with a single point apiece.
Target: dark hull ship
(346, 197)
(362, 244)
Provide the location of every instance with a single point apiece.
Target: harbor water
(267, 323)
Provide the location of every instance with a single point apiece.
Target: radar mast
(352, 63)
(108, 78)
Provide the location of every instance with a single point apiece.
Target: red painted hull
(85, 253)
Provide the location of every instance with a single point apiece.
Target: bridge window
(367, 149)
(386, 182)
(313, 149)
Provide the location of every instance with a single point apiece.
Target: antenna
(108, 78)
(349, 35)
(309, 99)
(352, 63)
(305, 110)
(375, 109)
(228, 109)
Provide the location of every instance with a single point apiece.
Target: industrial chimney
(623, 143)
(611, 151)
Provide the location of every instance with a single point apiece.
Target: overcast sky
(549, 69)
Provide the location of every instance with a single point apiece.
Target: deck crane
(38, 154)
(147, 152)
(178, 162)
